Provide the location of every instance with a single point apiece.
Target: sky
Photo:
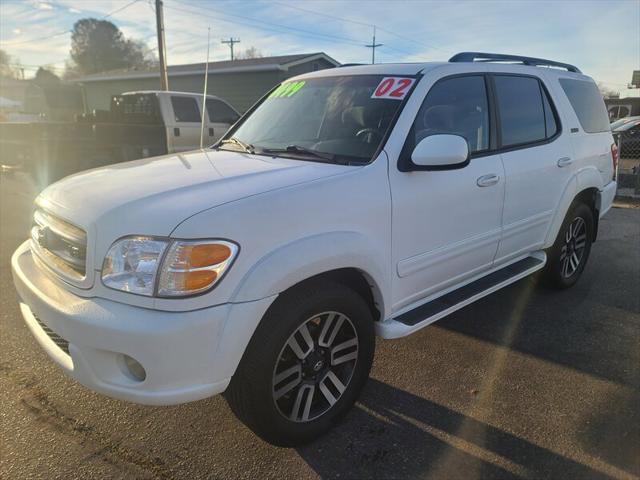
(601, 37)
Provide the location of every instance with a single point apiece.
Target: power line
(262, 24)
(31, 40)
(46, 37)
(328, 15)
(119, 9)
(355, 22)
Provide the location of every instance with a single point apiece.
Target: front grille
(57, 339)
(62, 245)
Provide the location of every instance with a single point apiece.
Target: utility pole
(373, 46)
(204, 90)
(164, 79)
(230, 42)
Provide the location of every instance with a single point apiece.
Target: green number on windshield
(287, 89)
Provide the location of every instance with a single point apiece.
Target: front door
(447, 224)
(221, 116)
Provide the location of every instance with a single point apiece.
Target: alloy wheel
(315, 366)
(573, 248)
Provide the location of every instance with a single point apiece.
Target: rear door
(183, 124)
(538, 161)
(221, 116)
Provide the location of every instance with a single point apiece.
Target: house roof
(261, 64)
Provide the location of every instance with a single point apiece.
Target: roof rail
(500, 57)
(351, 65)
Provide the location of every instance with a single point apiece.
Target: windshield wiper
(307, 151)
(247, 147)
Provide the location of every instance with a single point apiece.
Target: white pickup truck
(346, 203)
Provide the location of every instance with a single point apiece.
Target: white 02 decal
(395, 88)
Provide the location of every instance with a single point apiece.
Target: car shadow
(576, 328)
(395, 434)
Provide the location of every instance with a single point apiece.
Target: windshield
(324, 119)
(628, 125)
(622, 121)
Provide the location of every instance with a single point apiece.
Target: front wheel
(569, 254)
(305, 365)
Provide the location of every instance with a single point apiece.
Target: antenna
(373, 46)
(204, 90)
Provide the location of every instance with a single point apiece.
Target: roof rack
(500, 57)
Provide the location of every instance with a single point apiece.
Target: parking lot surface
(526, 383)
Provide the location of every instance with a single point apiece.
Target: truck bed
(52, 150)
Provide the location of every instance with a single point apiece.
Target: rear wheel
(305, 365)
(568, 256)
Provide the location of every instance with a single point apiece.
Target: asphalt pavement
(526, 383)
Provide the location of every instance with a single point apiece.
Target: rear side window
(185, 109)
(551, 124)
(220, 112)
(457, 106)
(588, 104)
(521, 108)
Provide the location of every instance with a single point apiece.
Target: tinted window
(551, 126)
(521, 110)
(456, 106)
(136, 108)
(587, 102)
(185, 109)
(220, 112)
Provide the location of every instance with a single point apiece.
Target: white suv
(346, 203)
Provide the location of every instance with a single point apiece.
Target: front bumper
(187, 356)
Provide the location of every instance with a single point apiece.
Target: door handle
(488, 180)
(564, 162)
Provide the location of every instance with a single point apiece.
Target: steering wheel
(367, 135)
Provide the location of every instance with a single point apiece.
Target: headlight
(132, 263)
(192, 267)
(136, 265)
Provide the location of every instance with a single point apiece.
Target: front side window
(220, 112)
(587, 102)
(185, 109)
(342, 117)
(521, 110)
(456, 106)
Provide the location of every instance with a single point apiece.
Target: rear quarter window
(587, 102)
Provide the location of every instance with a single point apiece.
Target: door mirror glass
(441, 152)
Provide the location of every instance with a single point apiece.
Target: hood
(152, 196)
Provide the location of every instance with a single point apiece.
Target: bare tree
(607, 92)
(9, 66)
(251, 52)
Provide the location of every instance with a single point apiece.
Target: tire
(568, 256)
(331, 314)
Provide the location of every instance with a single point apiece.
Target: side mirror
(441, 152)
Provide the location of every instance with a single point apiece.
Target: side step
(427, 313)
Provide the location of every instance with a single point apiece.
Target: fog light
(133, 369)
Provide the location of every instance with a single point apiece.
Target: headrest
(359, 116)
(439, 117)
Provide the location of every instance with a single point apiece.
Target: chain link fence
(629, 160)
